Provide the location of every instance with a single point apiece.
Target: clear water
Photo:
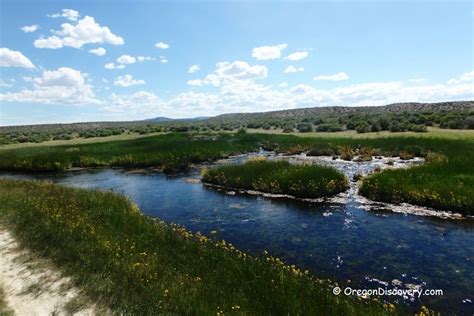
(337, 239)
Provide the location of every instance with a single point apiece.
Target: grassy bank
(279, 177)
(170, 152)
(136, 265)
(438, 184)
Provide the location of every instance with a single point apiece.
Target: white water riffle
(349, 169)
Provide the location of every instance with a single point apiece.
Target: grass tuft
(279, 177)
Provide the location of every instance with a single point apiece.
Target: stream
(359, 243)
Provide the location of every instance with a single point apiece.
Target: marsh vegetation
(278, 177)
(445, 182)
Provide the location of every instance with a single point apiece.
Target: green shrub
(304, 127)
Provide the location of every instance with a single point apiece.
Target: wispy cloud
(194, 68)
(467, 76)
(127, 81)
(30, 28)
(336, 77)
(292, 69)
(297, 56)
(162, 45)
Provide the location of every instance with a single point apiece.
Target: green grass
(279, 177)
(170, 152)
(439, 184)
(140, 266)
(79, 141)
(433, 132)
(446, 185)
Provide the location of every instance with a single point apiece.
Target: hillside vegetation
(414, 117)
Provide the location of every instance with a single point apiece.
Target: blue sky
(247, 55)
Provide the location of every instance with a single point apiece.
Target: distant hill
(400, 117)
(167, 119)
(159, 119)
(299, 113)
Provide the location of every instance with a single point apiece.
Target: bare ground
(32, 286)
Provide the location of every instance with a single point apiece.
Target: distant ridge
(297, 114)
(167, 119)
(312, 111)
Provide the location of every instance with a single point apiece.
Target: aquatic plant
(346, 152)
(365, 154)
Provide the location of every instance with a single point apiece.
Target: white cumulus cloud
(126, 60)
(98, 51)
(336, 77)
(139, 105)
(233, 95)
(127, 81)
(62, 86)
(111, 66)
(144, 58)
(85, 31)
(231, 71)
(162, 45)
(297, 56)
(11, 58)
(194, 68)
(69, 14)
(268, 52)
(30, 28)
(292, 69)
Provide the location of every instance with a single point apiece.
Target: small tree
(363, 127)
(304, 127)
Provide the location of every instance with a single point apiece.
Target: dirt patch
(32, 286)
